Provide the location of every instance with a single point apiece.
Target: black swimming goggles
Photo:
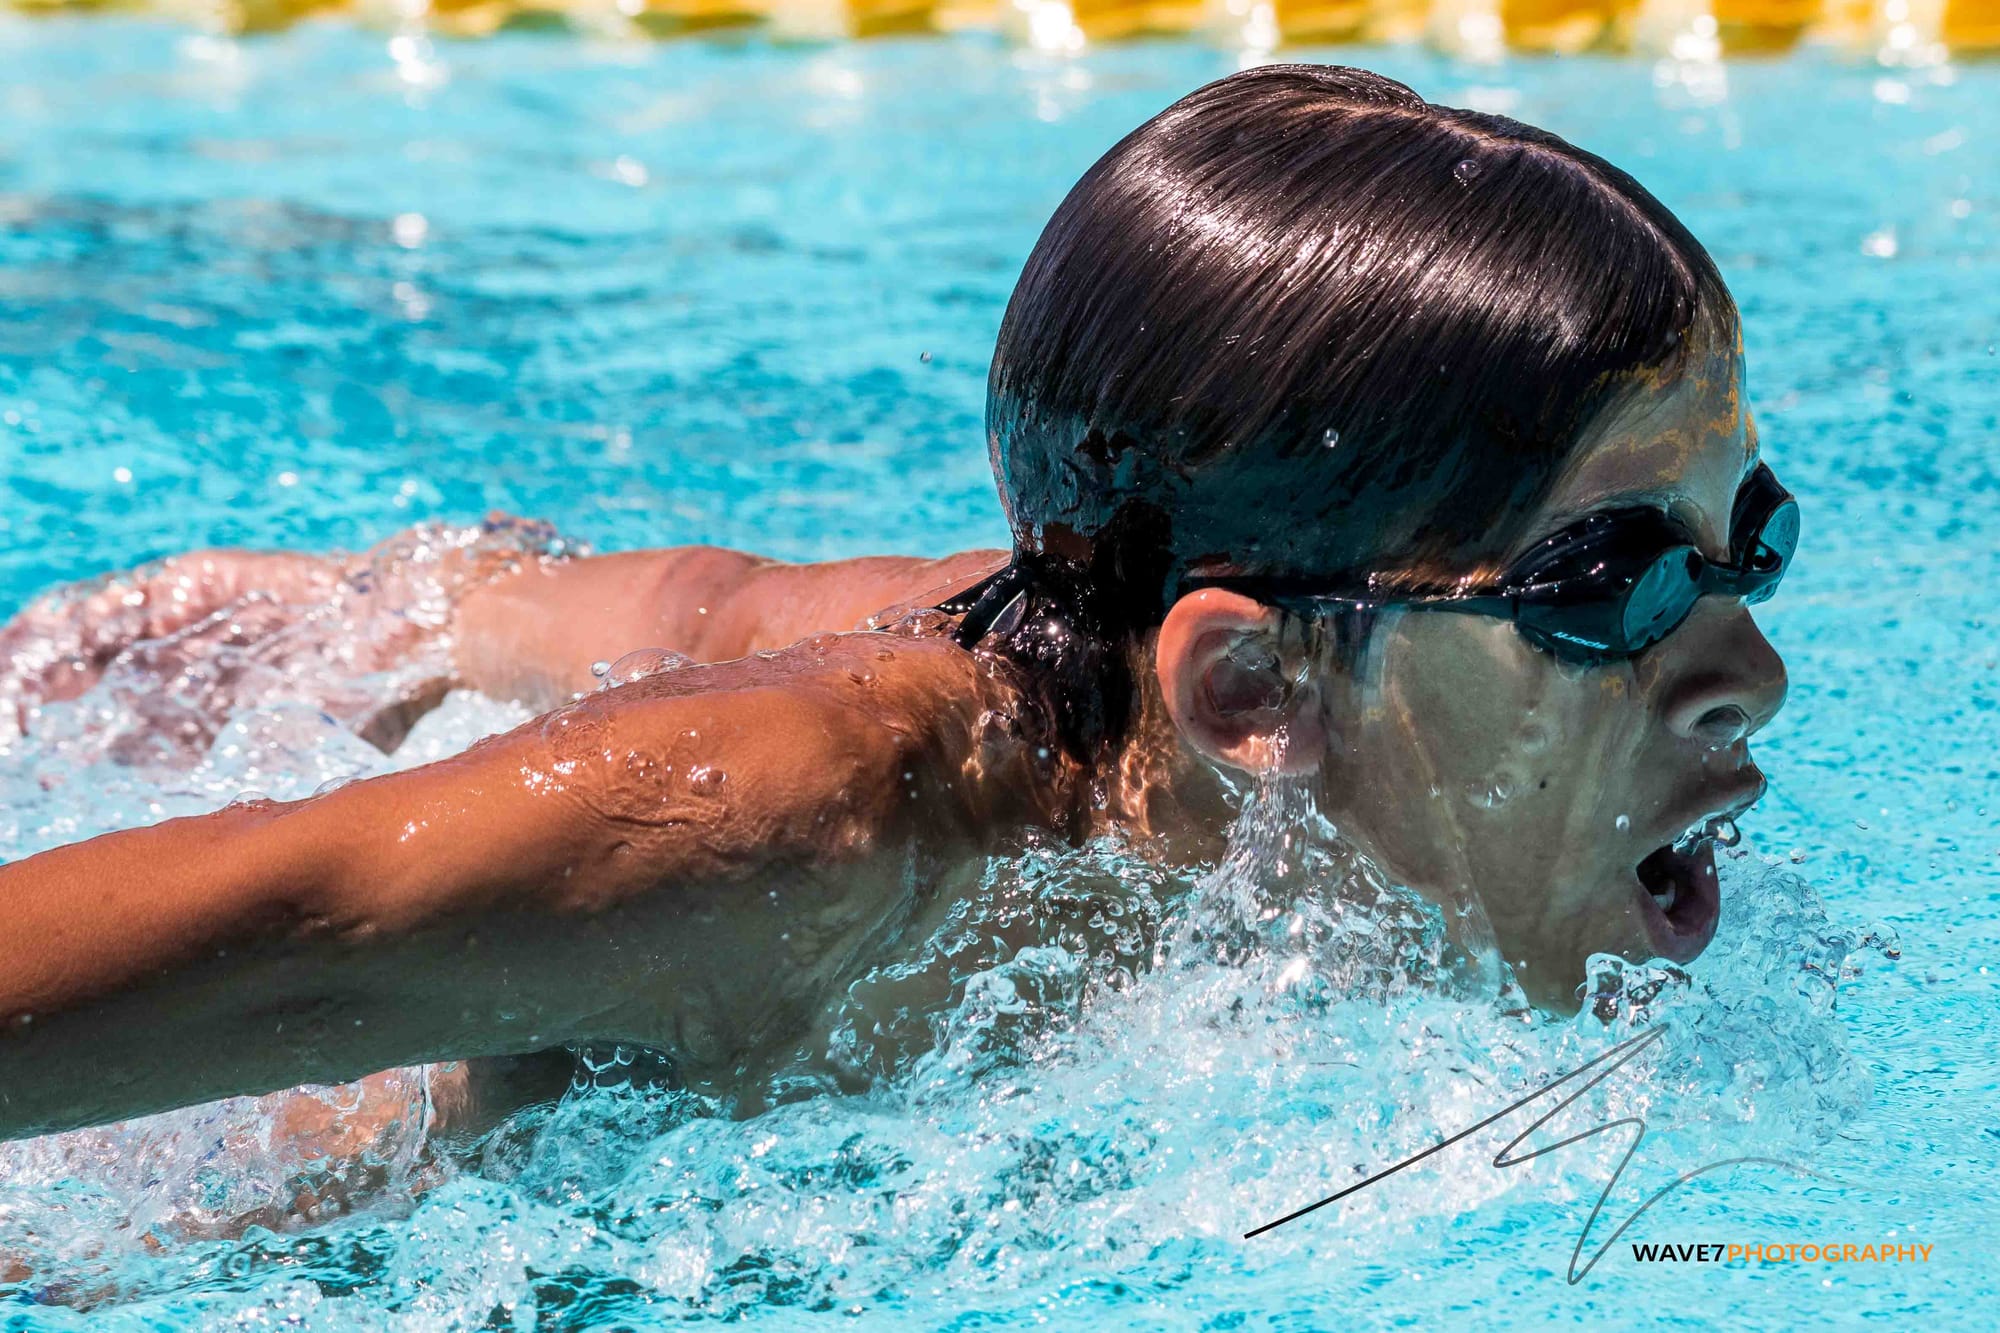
(1605, 588)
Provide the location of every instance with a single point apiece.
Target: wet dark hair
(1305, 323)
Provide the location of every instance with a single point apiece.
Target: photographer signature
(1604, 1065)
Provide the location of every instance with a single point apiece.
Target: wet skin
(528, 632)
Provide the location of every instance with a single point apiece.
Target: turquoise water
(310, 290)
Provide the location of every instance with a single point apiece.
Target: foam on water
(1093, 1065)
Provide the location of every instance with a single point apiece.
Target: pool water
(311, 290)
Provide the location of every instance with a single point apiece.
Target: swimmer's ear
(1234, 684)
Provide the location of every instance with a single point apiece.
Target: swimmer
(1396, 449)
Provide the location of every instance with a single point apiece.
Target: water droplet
(640, 664)
(600, 668)
(1726, 833)
(1624, 823)
(328, 787)
(1492, 794)
(705, 779)
(1331, 439)
(1466, 171)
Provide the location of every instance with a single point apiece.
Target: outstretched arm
(603, 873)
(517, 625)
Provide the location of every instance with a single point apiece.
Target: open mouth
(1679, 893)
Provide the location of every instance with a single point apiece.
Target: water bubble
(925, 358)
(643, 662)
(331, 785)
(707, 780)
(1726, 833)
(1491, 794)
(1331, 439)
(600, 668)
(1466, 171)
(1624, 823)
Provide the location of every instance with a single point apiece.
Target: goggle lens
(1660, 599)
(1772, 551)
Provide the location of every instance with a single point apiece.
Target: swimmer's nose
(1732, 681)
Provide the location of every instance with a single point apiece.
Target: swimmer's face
(1482, 771)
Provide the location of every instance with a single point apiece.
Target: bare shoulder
(723, 604)
(820, 751)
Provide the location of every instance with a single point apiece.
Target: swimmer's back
(533, 635)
